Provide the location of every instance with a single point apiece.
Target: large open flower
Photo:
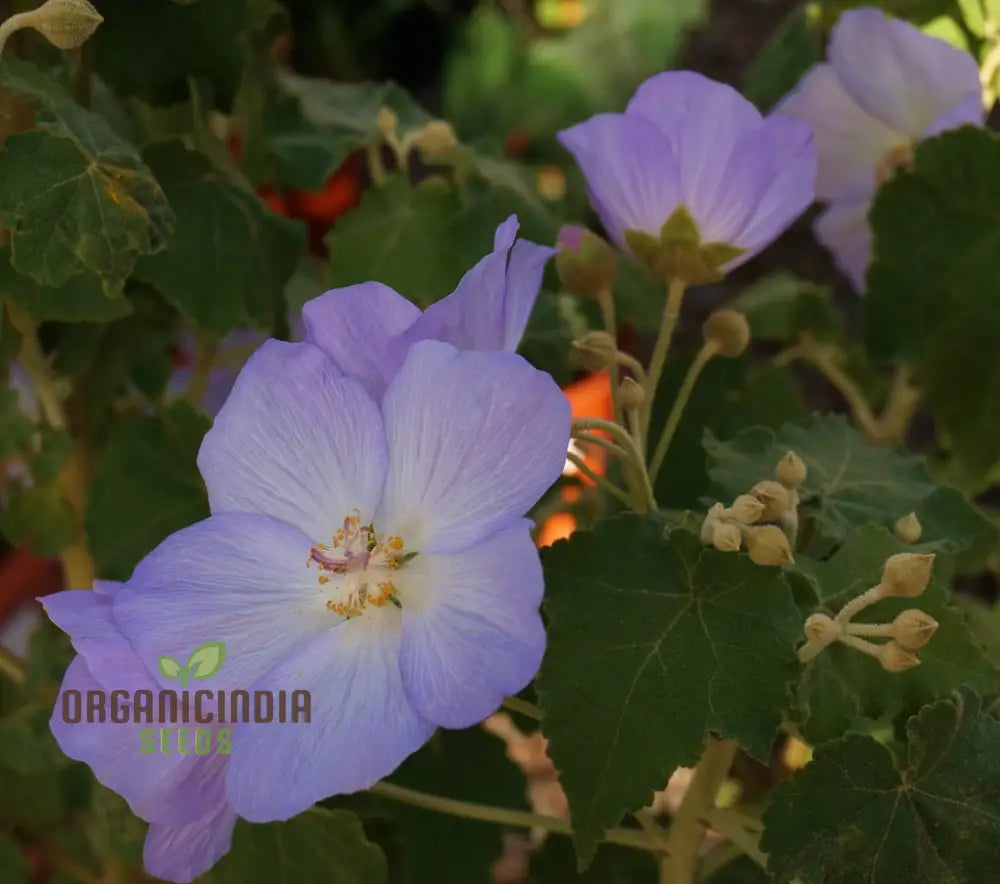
(687, 142)
(886, 86)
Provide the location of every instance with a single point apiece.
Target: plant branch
(13, 667)
(598, 479)
(671, 312)
(516, 704)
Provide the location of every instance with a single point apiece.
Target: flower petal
(489, 308)
(704, 120)
(851, 143)
(632, 174)
(472, 632)
(968, 112)
(362, 725)
(782, 154)
(181, 853)
(355, 325)
(86, 616)
(237, 578)
(295, 440)
(843, 228)
(475, 439)
(898, 73)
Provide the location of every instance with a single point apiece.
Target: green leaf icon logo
(170, 668)
(205, 660)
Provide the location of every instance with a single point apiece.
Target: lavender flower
(885, 87)
(181, 796)
(692, 170)
(366, 329)
(372, 553)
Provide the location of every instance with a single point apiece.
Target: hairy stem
(13, 667)
(703, 357)
(516, 704)
(688, 827)
(599, 480)
(505, 816)
(671, 311)
(635, 465)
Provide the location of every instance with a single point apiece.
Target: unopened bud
(775, 498)
(896, 659)
(726, 537)
(768, 546)
(631, 394)
(436, 139)
(746, 509)
(66, 24)
(908, 528)
(912, 629)
(821, 629)
(729, 331)
(711, 519)
(791, 470)
(907, 574)
(586, 263)
(596, 350)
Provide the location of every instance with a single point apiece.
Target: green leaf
(842, 684)
(231, 257)
(313, 129)
(206, 660)
(849, 482)
(937, 242)
(150, 50)
(317, 847)
(146, 486)
(15, 426)
(39, 516)
(20, 748)
(857, 814)
(781, 62)
(116, 830)
(468, 765)
(14, 868)
(781, 305)
(79, 299)
(169, 667)
(55, 447)
(110, 209)
(651, 643)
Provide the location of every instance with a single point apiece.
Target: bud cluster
(904, 575)
(761, 518)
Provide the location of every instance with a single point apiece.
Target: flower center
(900, 157)
(359, 565)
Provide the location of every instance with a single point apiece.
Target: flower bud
(595, 351)
(768, 546)
(435, 140)
(746, 509)
(912, 629)
(388, 123)
(908, 528)
(586, 263)
(791, 470)
(907, 574)
(729, 331)
(66, 24)
(710, 522)
(726, 537)
(821, 629)
(775, 498)
(896, 659)
(631, 394)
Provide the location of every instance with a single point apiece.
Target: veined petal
(181, 853)
(898, 73)
(784, 156)
(490, 307)
(296, 440)
(704, 121)
(237, 578)
(843, 228)
(633, 177)
(472, 632)
(475, 439)
(355, 326)
(362, 725)
(851, 143)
